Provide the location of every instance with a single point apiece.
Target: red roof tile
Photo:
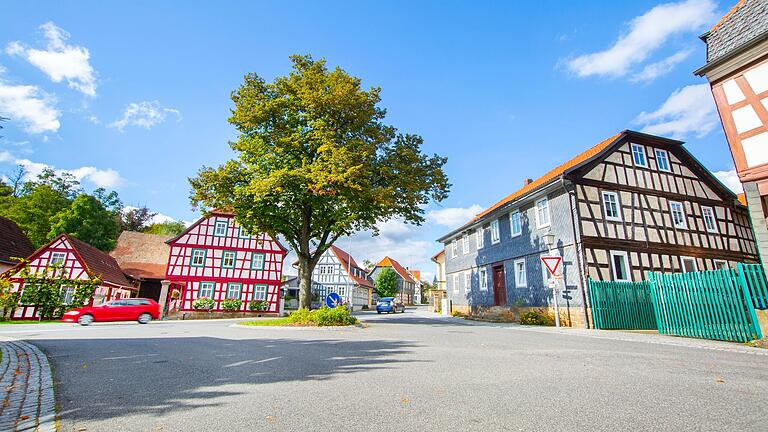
(13, 242)
(142, 256)
(389, 262)
(99, 263)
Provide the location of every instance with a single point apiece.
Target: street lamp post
(549, 240)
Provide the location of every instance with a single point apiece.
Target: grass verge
(30, 322)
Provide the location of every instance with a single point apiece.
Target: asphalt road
(403, 372)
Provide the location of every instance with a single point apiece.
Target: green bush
(204, 303)
(231, 304)
(539, 318)
(258, 305)
(325, 316)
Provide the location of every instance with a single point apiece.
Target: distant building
(144, 258)
(737, 70)
(406, 284)
(13, 244)
(338, 272)
(81, 262)
(633, 203)
(438, 292)
(217, 259)
(416, 274)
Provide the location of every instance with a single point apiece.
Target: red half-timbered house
(81, 262)
(216, 258)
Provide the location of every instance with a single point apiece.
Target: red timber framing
(228, 261)
(73, 255)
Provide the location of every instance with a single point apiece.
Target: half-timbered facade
(80, 261)
(631, 204)
(218, 259)
(336, 271)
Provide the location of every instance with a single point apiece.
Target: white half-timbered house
(218, 259)
(336, 271)
(81, 261)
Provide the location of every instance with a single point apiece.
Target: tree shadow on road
(100, 379)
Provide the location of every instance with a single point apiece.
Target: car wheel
(378, 312)
(85, 320)
(145, 318)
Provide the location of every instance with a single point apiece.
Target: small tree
(136, 219)
(386, 283)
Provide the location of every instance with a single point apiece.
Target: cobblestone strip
(26, 389)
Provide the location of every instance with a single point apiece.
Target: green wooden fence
(621, 305)
(754, 277)
(713, 304)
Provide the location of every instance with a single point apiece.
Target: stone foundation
(512, 314)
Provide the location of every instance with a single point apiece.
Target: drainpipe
(579, 258)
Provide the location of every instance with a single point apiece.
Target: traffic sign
(552, 263)
(332, 300)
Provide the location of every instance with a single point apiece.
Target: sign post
(553, 264)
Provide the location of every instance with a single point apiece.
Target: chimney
(527, 181)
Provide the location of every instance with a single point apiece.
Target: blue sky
(135, 96)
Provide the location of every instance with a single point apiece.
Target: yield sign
(552, 263)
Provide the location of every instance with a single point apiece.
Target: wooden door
(499, 286)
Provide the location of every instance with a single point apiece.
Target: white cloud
(144, 114)
(654, 70)
(159, 217)
(106, 178)
(730, 179)
(689, 110)
(60, 61)
(643, 36)
(33, 109)
(453, 217)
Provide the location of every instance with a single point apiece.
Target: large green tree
(88, 220)
(315, 161)
(386, 283)
(170, 228)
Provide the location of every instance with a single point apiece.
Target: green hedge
(325, 316)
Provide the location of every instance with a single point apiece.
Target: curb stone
(26, 388)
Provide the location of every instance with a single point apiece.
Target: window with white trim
(662, 160)
(688, 265)
(482, 276)
(480, 236)
(234, 290)
(542, 213)
(710, 223)
(611, 206)
(515, 226)
(257, 261)
(220, 229)
(495, 236)
(198, 258)
(620, 266)
(677, 212)
(67, 294)
(243, 234)
(521, 279)
(454, 248)
(455, 283)
(259, 292)
(468, 281)
(465, 244)
(228, 259)
(57, 258)
(206, 290)
(721, 265)
(638, 155)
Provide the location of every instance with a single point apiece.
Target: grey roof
(747, 21)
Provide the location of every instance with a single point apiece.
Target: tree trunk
(305, 283)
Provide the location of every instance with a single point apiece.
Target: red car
(139, 309)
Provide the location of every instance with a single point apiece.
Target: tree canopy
(166, 228)
(386, 283)
(88, 220)
(315, 161)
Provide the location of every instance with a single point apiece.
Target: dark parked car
(389, 305)
(138, 309)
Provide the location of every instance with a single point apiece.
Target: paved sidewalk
(26, 389)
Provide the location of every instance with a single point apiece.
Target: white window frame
(454, 248)
(627, 266)
(262, 260)
(642, 150)
(684, 223)
(520, 282)
(216, 226)
(192, 262)
(54, 255)
(683, 259)
(539, 223)
(495, 234)
(666, 159)
(455, 283)
(239, 290)
(68, 294)
(465, 244)
(259, 292)
(482, 278)
(724, 262)
(211, 286)
(224, 258)
(512, 216)
(711, 211)
(468, 281)
(617, 203)
(480, 237)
